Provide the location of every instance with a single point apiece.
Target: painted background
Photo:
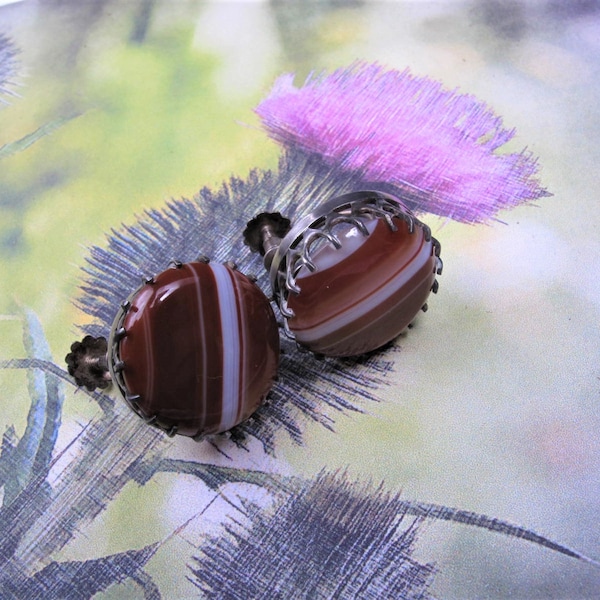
(492, 401)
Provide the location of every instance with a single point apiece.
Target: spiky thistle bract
(8, 65)
(334, 539)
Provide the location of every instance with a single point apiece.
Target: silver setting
(356, 208)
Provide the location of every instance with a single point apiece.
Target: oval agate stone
(199, 349)
(362, 295)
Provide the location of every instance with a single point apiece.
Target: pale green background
(493, 405)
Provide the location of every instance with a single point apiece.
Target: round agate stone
(363, 294)
(198, 349)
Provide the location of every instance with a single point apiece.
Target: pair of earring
(195, 350)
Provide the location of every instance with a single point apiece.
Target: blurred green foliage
(152, 125)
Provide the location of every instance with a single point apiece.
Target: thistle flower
(439, 147)
(334, 539)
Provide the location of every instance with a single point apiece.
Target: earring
(352, 275)
(193, 351)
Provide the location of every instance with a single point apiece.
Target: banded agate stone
(364, 293)
(198, 349)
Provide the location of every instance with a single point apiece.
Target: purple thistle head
(396, 128)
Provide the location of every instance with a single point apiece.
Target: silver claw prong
(132, 400)
(390, 222)
(285, 311)
(120, 334)
(287, 332)
(309, 264)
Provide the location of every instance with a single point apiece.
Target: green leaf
(32, 454)
(31, 138)
(7, 454)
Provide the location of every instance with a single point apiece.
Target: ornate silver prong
(424, 308)
(231, 265)
(176, 263)
(286, 331)
(315, 236)
(120, 334)
(390, 222)
(312, 238)
(290, 276)
(285, 311)
(148, 279)
(203, 259)
(435, 286)
(355, 221)
(119, 366)
(125, 305)
(440, 265)
(308, 263)
(172, 430)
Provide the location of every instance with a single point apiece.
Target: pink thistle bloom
(400, 129)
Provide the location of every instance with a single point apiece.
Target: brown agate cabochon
(363, 294)
(200, 349)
